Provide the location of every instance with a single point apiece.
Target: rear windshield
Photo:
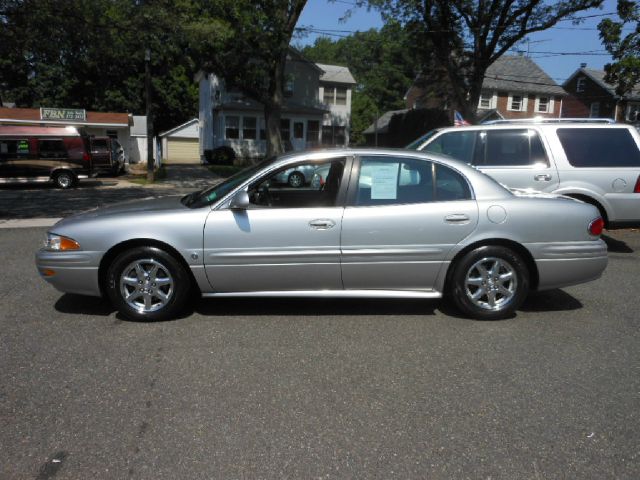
(599, 147)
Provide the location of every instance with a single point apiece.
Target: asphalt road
(241, 389)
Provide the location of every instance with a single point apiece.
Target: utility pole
(147, 94)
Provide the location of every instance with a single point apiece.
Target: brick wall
(580, 104)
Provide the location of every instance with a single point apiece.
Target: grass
(224, 170)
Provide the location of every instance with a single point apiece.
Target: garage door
(182, 150)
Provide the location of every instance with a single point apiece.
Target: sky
(559, 51)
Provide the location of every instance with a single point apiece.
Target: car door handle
(543, 177)
(322, 224)
(457, 218)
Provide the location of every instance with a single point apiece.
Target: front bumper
(70, 272)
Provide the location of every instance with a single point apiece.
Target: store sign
(63, 114)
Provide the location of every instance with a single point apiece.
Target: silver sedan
(383, 223)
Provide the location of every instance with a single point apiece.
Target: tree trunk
(272, 114)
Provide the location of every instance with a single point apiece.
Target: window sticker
(384, 181)
(23, 146)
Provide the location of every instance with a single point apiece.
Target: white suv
(594, 161)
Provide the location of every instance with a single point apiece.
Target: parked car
(296, 177)
(595, 161)
(107, 155)
(441, 228)
(50, 154)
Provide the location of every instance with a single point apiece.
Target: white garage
(180, 145)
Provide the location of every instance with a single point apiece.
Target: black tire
(167, 289)
(65, 179)
(296, 179)
(503, 283)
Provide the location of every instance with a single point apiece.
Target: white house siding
(303, 104)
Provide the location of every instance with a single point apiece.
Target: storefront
(99, 124)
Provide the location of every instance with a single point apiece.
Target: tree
(253, 58)
(466, 36)
(90, 54)
(624, 72)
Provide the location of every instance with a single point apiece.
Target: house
(316, 110)
(514, 86)
(181, 143)
(592, 96)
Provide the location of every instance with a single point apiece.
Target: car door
(402, 218)
(516, 158)
(287, 239)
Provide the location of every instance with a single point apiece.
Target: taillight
(86, 157)
(636, 189)
(596, 226)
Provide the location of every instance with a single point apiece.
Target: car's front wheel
(147, 284)
(489, 283)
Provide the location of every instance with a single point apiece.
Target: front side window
(599, 147)
(510, 148)
(305, 185)
(14, 149)
(458, 145)
(232, 127)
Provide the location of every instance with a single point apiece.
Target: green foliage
(90, 54)
(464, 37)
(624, 72)
(406, 127)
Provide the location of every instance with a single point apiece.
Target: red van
(32, 154)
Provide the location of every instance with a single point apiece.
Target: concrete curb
(28, 222)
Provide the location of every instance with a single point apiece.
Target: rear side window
(599, 147)
(510, 148)
(52, 149)
(392, 181)
(14, 148)
(458, 145)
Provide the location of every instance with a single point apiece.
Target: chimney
(583, 65)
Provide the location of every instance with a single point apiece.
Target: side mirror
(240, 201)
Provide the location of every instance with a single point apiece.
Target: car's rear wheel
(64, 179)
(489, 283)
(296, 179)
(147, 284)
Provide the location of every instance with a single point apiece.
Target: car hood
(132, 207)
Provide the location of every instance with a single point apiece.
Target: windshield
(209, 195)
(417, 143)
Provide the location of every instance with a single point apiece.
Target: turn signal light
(636, 189)
(58, 243)
(596, 227)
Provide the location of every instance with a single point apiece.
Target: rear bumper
(70, 272)
(562, 264)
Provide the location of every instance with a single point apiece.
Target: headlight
(57, 243)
